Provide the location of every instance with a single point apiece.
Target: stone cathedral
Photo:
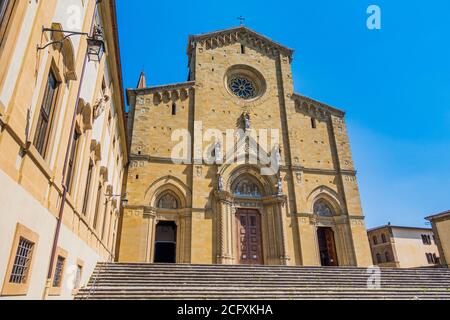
(227, 212)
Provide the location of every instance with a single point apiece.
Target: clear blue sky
(394, 83)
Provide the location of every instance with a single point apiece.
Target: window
(72, 161)
(379, 260)
(387, 256)
(430, 258)
(18, 273)
(168, 201)
(174, 109)
(436, 259)
(59, 269)
(45, 115)
(59, 265)
(383, 238)
(103, 87)
(375, 240)
(322, 208)
(426, 239)
(6, 7)
(313, 123)
(88, 187)
(105, 213)
(22, 261)
(242, 49)
(243, 87)
(97, 205)
(78, 276)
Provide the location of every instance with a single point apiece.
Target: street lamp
(96, 44)
(123, 198)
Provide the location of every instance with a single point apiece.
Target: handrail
(99, 271)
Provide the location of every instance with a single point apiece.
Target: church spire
(142, 83)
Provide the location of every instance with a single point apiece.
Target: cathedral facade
(185, 208)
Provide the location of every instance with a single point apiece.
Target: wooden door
(331, 247)
(327, 247)
(249, 236)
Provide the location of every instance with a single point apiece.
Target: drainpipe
(66, 160)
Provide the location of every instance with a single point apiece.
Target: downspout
(66, 160)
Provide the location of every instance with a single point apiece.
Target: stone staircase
(119, 281)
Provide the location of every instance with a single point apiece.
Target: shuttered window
(45, 115)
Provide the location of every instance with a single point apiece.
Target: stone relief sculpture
(168, 201)
(247, 188)
(218, 152)
(220, 183)
(247, 123)
(100, 105)
(321, 208)
(280, 186)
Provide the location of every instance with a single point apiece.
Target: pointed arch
(168, 184)
(230, 173)
(328, 196)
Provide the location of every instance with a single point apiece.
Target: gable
(240, 35)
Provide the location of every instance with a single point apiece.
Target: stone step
(326, 294)
(219, 272)
(215, 272)
(219, 277)
(161, 281)
(264, 268)
(270, 285)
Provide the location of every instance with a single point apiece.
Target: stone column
(281, 213)
(150, 237)
(224, 231)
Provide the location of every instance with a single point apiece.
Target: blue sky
(394, 83)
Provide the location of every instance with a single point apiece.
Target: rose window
(243, 88)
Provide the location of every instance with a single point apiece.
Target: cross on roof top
(241, 19)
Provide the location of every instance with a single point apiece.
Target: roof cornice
(398, 227)
(171, 89)
(439, 215)
(235, 34)
(308, 104)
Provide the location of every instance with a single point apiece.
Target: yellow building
(198, 196)
(441, 228)
(403, 247)
(62, 144)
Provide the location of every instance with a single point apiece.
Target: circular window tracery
(242, 87)
(245, 82)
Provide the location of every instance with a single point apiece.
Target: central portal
(248, 223)
(166, 242)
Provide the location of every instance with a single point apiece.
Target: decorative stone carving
(246, 119)
(298, 177)
(247, 188)
(100, 106)
(168, 201)
(218, 152)
(199, 171)
(280, 186)
(220, 183)
(321, 208)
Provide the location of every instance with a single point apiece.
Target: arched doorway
(248, 222)
(166, 242)
(327, 247)
(325, 235)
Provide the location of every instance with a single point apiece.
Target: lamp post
(95, 43)
(123, 198)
